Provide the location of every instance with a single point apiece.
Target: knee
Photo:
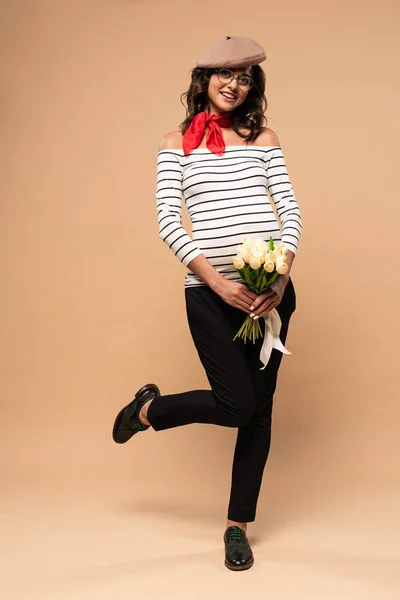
(241, 415)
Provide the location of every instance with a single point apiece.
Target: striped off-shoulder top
(228, 198)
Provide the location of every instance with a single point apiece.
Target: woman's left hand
(270, 298)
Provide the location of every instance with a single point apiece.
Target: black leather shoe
(127, 422)
(238, 554)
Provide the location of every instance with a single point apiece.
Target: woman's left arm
(283, 196)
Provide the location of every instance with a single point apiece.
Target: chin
(224, 107)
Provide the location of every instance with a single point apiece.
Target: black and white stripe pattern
(227, 200)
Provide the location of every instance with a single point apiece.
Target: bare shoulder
(171, 141)
(267, 137)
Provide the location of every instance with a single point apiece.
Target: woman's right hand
(236, 294)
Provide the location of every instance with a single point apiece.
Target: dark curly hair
(249, 115)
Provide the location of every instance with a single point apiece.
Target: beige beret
(232, 51)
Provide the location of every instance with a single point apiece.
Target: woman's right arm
(169, 205)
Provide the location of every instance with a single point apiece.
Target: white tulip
(247, 256)
(281, 266)
(238, 262)
(255, 263)
(258, 246)
(258, 257)
(269, 257)
(282, 269)
(269, 266)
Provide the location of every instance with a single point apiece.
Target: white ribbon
(273, 325)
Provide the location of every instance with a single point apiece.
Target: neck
(213, 110)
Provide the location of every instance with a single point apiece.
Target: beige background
(88, 90)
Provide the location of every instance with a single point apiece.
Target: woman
(224, 161)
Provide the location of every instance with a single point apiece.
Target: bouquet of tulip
(259, 264)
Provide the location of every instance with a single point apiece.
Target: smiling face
(224, 97)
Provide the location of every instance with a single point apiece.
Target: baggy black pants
(240, 396)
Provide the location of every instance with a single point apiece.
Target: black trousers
(240, 396)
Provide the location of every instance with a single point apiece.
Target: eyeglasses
(226, 76)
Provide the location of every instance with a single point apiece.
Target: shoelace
(235, 535)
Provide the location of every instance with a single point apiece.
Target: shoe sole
(244, 568)
(144, 388)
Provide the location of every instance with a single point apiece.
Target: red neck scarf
(214, 139)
